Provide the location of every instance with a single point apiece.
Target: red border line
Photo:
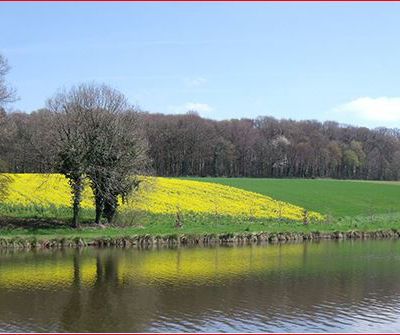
(209, 1)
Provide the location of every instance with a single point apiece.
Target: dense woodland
(189, 145)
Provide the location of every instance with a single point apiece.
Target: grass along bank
(160, 229)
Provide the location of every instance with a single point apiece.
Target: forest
(189, 145)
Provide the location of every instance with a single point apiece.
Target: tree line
(189, 145)
(183, 145)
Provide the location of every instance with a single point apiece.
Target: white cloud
(202, 109)
(373, 109)
(195, 82)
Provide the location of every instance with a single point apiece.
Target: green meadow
(337, 198)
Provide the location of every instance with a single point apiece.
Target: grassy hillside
(333, 197)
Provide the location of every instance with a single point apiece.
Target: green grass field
(332, 197)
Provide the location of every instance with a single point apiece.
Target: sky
(322, 61)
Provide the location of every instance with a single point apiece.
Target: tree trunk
(99, 208)
(110, 208)
(75, 218)
(77, 187)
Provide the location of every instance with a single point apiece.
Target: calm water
(313, 287)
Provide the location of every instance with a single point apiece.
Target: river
(327, 286)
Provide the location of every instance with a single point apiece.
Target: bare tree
(98, 139)
(7, 93)
(4, 180)
(68, 110)
(117, 151)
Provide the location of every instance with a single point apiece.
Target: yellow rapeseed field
(159, 195)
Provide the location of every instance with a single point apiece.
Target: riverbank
(161, 230)
(148, 241)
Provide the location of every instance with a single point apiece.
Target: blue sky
(336, 61)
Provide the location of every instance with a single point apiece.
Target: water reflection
(327, 286)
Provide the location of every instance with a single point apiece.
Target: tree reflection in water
(323, 286)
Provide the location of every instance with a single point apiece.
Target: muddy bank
(146, 241)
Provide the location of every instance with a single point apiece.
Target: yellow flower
(161, 196)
